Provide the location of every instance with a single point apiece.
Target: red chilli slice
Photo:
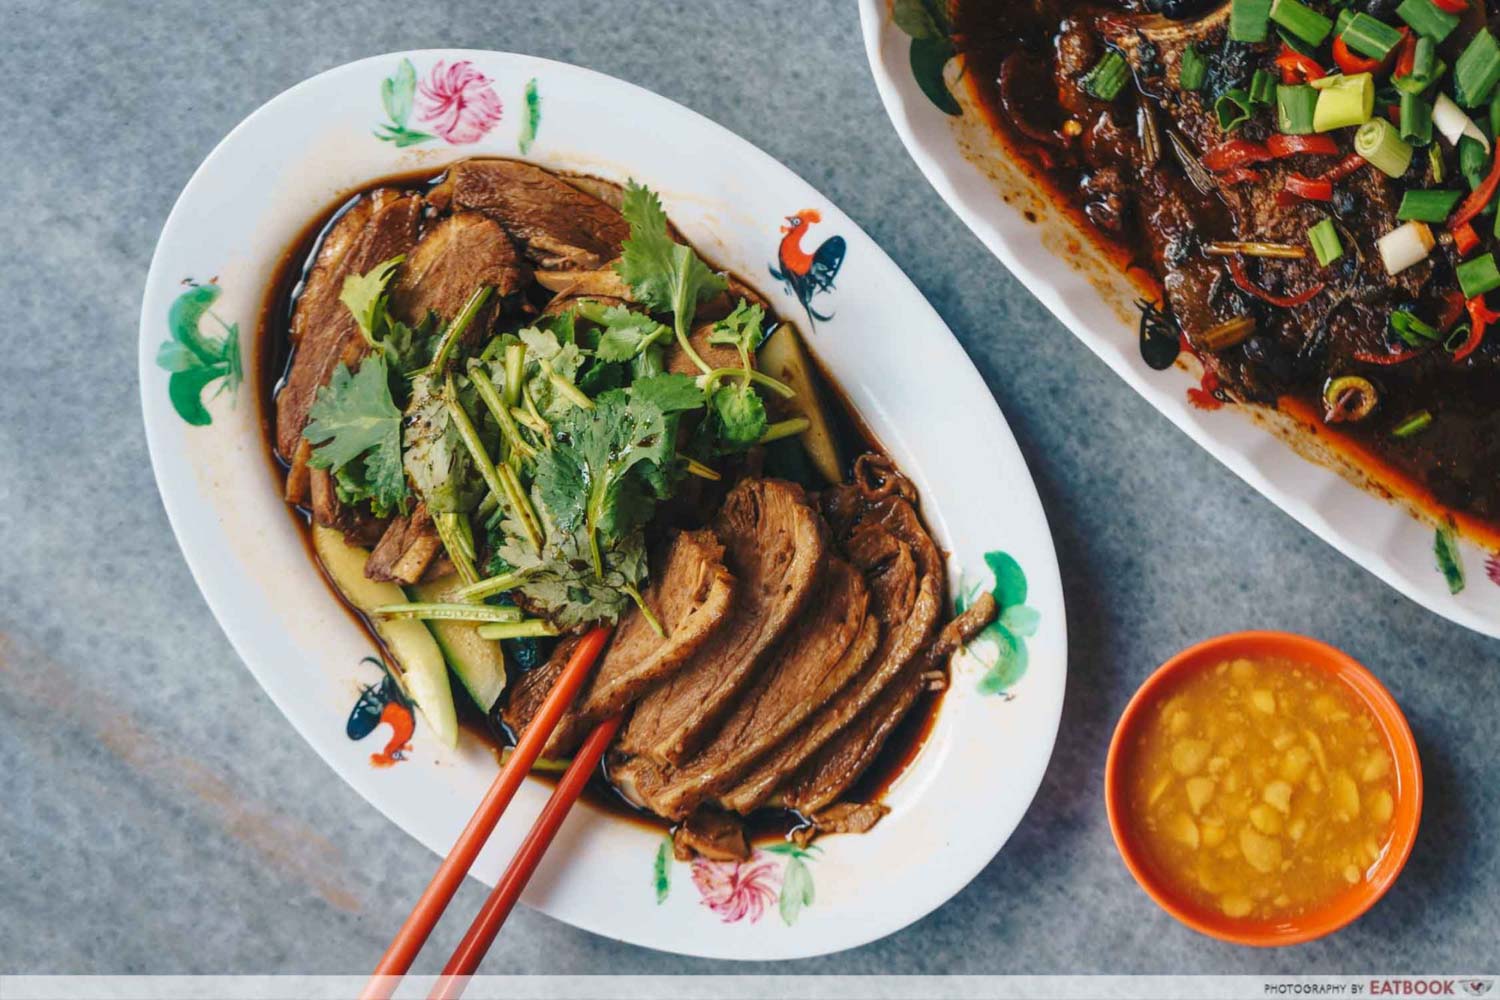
(1235, 153)
(1399, 357)
(1478, 198)
(1296, 67)
(1289, 145)
(1480, 317)
(1345, 168)
(1243, 282)
(1309, 188)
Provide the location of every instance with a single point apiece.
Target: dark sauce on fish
(273, 355)
(1450, 471)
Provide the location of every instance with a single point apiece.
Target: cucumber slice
(419, 664)
(783, 357)
(479, 663)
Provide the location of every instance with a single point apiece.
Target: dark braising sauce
(1011, 52)
(273, 359)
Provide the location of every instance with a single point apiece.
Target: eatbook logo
(1476, 987)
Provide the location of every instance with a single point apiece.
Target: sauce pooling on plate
(1262, 789)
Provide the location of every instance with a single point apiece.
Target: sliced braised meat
(841, 817)
(774, 543)
(691, 593)
(825, 647)
(885, 539)
(715, 835)
(406, 549)
(849, 754)
(527, 692)
(558, 225)
(373, 229)
(461, 254)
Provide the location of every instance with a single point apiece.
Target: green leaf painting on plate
(930, 27)
(194, 359)
(397, 94)
(1001, 647)
(533, 119)
(661, 871)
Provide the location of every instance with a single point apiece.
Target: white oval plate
(893, 356)
(976, 176)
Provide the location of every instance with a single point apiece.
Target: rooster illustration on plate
(808, 275)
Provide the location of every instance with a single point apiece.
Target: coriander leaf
(740, 416)
(352, 418)
(669, 393)
(440, 466)
(627, 334)
(365, 296)
(741, 330)
(665, 275)
(560, 580)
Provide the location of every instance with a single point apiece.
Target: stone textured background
(159, 815)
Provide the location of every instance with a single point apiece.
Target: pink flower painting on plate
(458, 103)
(737, 890)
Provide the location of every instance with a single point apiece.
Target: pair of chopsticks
(502, 899)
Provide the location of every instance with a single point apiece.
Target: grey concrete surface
(159, 815)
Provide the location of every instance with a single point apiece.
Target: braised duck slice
(374, 229)
(774, 544)
(406, 549)
(462, 253)
(557, 224)
(690, 593)
(849, 754)
(885, 539)
(827, 645)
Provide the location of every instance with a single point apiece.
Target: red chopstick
(502, 899)
(450, 874)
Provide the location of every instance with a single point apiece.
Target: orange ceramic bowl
(1343, 908)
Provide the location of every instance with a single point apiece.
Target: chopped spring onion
(1349, 397)
(1451, 121)
(1194, 68)
(1227, 334)
(1249, 20)
(1233, 109)
(530, 629)
(1325, 242)
(1405, 246)
(1472, 159)
(1477, 70)
(449, 612)
(1295, 108)
(1435, 163)
(1427, 19)
(1426, 68)
(1342, 21)
(1427, 206)
(1413, 331)
(1301, 20)
(1234, 248)
(1414, 424)
(1416, 120)
(1349, 100)
(1370, 36)
(1262, 87)
(1107, 78)
(1378, 142)
(1478, 276)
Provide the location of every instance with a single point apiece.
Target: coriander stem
(515, 372)
(646, 612)
(493, 477)
(709, 379)
(490, 586)
(492, 401)
(449, 529)
(564, 385)
(444, 611)
(699, 469)
(529, 628)
(522, 505)
(784, 429)
(457, 327)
